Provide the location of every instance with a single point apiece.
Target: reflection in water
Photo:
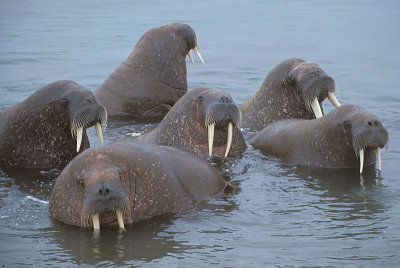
(142, 242)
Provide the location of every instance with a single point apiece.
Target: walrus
(123, 183)
(149, 82)
(48, 129)
(292, 89)
(205, 121)
(347, 137)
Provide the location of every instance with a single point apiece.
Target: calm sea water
(280, 215)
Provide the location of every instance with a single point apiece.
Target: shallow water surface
(280, 214)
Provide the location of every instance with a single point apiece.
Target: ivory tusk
(96, 221)
(196, 50)
(211, 138)
(79, 133)
(191, 57)
(332, 98)
(229, 142)
(361, 155)
(99, 133)
(316, 108)
(120, 219)
(378, 156)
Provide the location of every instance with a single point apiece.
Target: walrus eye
(346, 123)
(81, 181)
(200, 99)
(64, 101)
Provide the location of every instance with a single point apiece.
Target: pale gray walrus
(347, 137)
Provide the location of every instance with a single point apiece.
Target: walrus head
(219, 114)
(189, 36)
(105, 201)
(315, 86)
(85, 111)
(368, 135)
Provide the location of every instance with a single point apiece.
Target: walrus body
(47, 129)
(205, 121)
(292, 89)
(149, 82)
(129, 182)
(347, 137)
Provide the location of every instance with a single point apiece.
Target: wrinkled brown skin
(183, 127)
(149, 82)
(284, 92)
(325, 142)
(36, 133)
(156, 180)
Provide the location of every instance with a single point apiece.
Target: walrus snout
(223, 115)
(93, 115)
(368, 134)
(105, 200)
(315, 86)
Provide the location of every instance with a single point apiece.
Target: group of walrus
(166, 169)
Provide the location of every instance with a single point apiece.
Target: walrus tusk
(99, 133)
(96, 221)
(361, 154)
(120, 219)
(210, 138)
(378, 156)
(191, 57)
(79, 133)
(196, 50)
(332, 98)
(316, 108)
(229, 142)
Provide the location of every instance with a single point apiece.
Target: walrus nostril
(104, 191)
(369, 123)
(378, 123)
(225, 99)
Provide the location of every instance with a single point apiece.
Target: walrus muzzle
(370, 141)
(221, 115)
(91, 213)
(88, 117)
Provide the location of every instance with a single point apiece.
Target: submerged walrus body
(124, 183)
(347, 137)
(149, 82)
(48, 129)
(292, 89)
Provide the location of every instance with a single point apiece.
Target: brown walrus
(292, 89)
(124, 183)
(205, 121)
(47, 129)
(149, 82)
(347, 137)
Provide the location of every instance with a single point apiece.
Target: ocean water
(280, 215)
